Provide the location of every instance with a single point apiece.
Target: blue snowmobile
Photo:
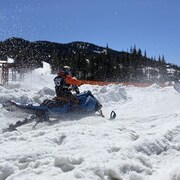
(88, 105)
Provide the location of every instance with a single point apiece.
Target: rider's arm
(72, 81)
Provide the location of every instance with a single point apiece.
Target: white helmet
(67, 67)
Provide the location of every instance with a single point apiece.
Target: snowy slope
(142, 143)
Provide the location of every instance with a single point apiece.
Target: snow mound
(6, 169)
(110, 93)
(114, 93)
(46, 69)
(46, 91)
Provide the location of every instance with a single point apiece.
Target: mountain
(89, 61)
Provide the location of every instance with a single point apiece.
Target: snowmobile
(88, 105)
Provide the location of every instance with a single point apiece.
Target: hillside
(90, 61)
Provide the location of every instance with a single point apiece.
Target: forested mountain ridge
(89, 61)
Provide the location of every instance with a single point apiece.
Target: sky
(142, 143)
(151, 25)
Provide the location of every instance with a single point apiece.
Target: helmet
(67, 69)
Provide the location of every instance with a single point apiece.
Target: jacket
(62, 84)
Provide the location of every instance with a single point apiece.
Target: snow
(10, 60)
(142, 143)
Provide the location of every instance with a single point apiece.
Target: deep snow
(142, 143)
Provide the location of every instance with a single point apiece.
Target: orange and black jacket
(62, 84)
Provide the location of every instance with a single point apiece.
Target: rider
(63, 82)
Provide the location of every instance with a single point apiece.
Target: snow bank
(108, 94)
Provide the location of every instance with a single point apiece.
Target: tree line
(89, 61)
